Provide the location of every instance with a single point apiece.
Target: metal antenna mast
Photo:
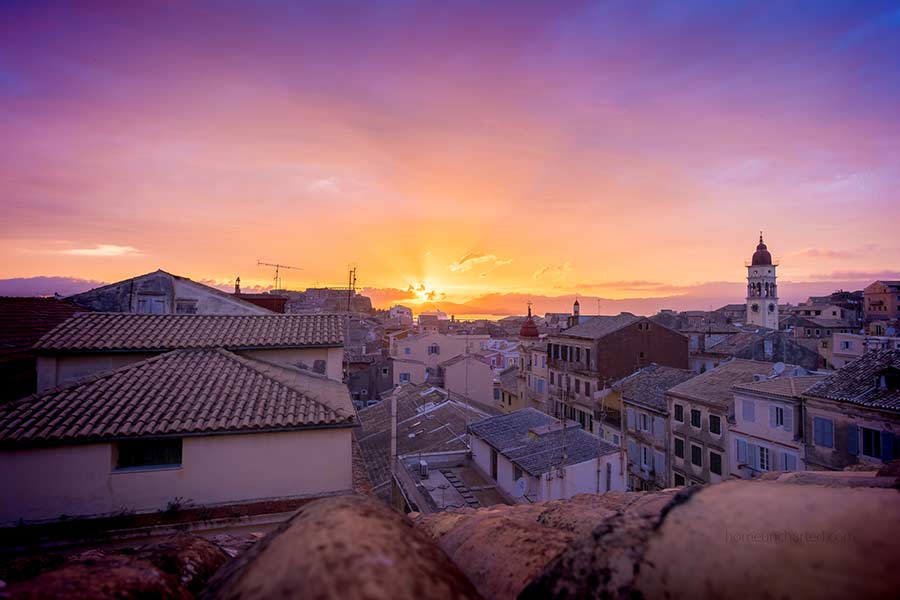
(351, 287)
(278, 268)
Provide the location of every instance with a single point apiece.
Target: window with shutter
(823, 432)
(741, 447)
(887, 446)
(695, 418)
(715, 424)
(679, 413)
(749, 410)
(630, 414)
(679, 447)
(789, 461)
(853, 440)
(763, 458)
(753, 456)
(659, 460)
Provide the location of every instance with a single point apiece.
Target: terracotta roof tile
(137, 332)
(180, 392)
(24, 320)
(596, 327)
(649, 385)
(857, 382)
(716, 386)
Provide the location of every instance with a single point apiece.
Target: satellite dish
(778, 368)
(521, 487)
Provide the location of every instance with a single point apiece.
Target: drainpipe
(393, 435)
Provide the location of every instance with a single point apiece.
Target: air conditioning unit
(423, 468)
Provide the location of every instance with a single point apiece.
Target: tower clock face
(754, 307)
(771, 308)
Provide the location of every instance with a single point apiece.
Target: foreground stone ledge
(350, 547)
(175, 568)
(767, 539)
(503, 548)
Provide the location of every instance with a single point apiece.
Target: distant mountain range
(703, 296)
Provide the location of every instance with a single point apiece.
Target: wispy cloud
(328, 185)
(470, 259)
(824, 253)
(497, 264)
(105, 250)
(552, 269)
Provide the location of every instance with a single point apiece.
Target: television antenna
(278, 268)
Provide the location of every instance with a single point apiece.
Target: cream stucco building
(534, 457)
(191, 427)
(90, 343)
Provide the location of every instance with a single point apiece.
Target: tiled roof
(787, 387)
(737, 342)
(138, 332)
(856, 382)
(824, 322)
(428, 420)
(648, 386)
(24, 320)
(182, 392)
(600, 326)
(537, 453)
(716, 386)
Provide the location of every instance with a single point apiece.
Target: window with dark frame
(165, 452)
(715, 424)
(679, 413)
(679, 447)
(695, 418)
(715, 463)
(696, 455)
(871, 442)
(185, 307)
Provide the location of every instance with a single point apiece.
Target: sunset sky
(462, 149)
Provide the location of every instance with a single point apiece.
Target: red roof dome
(529, 329)
(761, 256)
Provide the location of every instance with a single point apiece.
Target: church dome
(762, 255)
(528, 329)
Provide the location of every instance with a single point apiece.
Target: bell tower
(762, 290)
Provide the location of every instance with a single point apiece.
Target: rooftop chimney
(237, 285)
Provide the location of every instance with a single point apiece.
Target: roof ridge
(174, 276)
(255, 365)
(86, 379)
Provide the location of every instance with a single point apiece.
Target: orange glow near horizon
(546, 152)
